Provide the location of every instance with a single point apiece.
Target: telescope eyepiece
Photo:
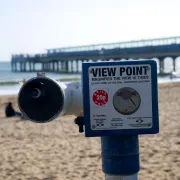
(41, 99)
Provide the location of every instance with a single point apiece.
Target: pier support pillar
(42, 66)
(24, 66)
(72, 67)
(66, 67)
(60, 66)
(81, 64)
(49, 66)
(33, 67)
(53, 66)
(46, 67)
(57, 66)
(12, 66)
(30, 67)
(77, 66)
(161, 65)
(21, 68)
(15, 66)
(174, 64)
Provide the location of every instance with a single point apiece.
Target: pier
(69, 59)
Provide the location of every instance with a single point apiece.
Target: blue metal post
(120, 157)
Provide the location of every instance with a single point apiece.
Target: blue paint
(86, 103)
(120, 155)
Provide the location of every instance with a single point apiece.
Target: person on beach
(10, 112)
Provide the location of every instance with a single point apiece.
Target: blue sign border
(86, 102)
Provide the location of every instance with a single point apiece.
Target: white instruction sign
(120, 97)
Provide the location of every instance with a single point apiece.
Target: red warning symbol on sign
(100, 97)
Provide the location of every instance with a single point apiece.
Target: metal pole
(120, 157)
(114, 177)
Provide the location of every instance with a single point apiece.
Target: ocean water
(7, 75)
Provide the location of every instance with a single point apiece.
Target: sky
(32, 26)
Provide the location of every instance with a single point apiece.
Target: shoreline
(73, 77)
(4, 83)
(13, 90)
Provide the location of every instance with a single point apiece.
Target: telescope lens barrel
(41, 99)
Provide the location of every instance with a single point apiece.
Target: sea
(7, 76)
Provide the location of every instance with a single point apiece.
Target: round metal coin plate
(126, 101)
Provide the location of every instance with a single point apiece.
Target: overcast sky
(31, 26)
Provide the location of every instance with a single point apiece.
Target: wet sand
(57, 151)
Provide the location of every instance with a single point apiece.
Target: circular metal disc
(126, 100)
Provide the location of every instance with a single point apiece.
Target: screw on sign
(100, 97)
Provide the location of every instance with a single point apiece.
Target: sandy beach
(57, 151)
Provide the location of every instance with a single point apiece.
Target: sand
(57, 151)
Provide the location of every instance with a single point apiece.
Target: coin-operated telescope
(42, 99)
(116, 101)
